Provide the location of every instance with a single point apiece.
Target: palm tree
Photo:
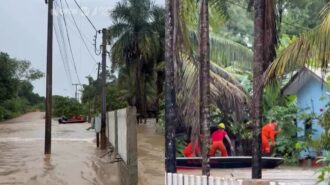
(265, 40)
(135, 44)
(159, 26)
(204, 84)
(170, 97)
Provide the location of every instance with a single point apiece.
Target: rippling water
(74, 159)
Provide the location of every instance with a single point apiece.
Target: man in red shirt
(217, 141)
(268, 133)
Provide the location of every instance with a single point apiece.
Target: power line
(97, 52)
(64, 47)
(79, 31)
(69, 41)
(67, 71)
(89, 20)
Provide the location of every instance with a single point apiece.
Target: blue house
(312, 96)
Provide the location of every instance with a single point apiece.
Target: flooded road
(151, 156)
(74, 159)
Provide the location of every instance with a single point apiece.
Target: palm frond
(311, 48)
(121, 12)
(230, 98)
(226, 92)
(117, 30)
(118, 49)
(222, 49)
(216, 69)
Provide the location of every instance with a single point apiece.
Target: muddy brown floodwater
(151, 164)
(74, 159)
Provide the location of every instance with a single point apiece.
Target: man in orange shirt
(268, 133)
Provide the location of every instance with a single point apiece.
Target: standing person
(268, 133)
(217, 141)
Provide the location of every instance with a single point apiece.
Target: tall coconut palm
(134, 44)
(204, 84)
(170, 97)
(265, 40)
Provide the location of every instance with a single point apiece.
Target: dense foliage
(16, 91)
(66, 106)
(91, 96)
(137, 39)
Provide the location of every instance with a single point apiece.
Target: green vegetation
(65, 106)
(137, 38)
(16, 90)
(242, 94)
(91, 96)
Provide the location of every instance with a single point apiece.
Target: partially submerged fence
(180, 179)
(122, 135)
(184, 179)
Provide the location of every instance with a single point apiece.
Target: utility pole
(104, 104)
(49, 80)
(95, 101)
(76, 93)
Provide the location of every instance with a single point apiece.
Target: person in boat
(217, 141)
(189, 151)
(268, 132)
(73, 118)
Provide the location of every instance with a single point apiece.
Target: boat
(227, 162)
(77, 119)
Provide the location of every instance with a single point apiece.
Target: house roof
(300, 79)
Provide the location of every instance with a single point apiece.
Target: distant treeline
(16, 90)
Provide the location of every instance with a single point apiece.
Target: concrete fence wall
(122, 130)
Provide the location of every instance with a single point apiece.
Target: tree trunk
(139, 88)
(204, 77)
(259, 8)
(170, 98)
(265, 41)
(144, 101)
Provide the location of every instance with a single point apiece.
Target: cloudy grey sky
(23, 28)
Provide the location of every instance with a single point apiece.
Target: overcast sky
(23, 34)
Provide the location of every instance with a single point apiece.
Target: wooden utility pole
(95, 102)
(49, 80)
(104, 103)
(76, 92)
